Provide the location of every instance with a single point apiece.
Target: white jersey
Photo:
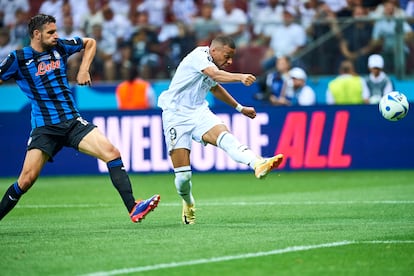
(189, 86)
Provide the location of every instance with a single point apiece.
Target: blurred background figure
(115, 25)
(78, 8)
(103, 65)
(233, 22)
(286, 39)
(389, 31)
(348, 87)
(354, 40)
(377, 81)
(184, 10)
(273, 83)
(6, 45)
(8, 10)
(19, 33)
(266, 19)
(93, 15)
(54, 8)
(135, 93)
(178, 40)
(298, 92)
(146, 52)
(204, 26)
(68, 31)
(156, 10)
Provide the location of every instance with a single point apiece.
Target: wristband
(239, 107)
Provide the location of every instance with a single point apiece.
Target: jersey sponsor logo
(43, 67)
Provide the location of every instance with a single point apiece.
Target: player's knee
(115, 152)
(26, 181)
(110, 153)
(183, 182)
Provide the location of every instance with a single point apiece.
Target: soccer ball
(394, 106)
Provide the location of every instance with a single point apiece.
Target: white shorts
(181, 127)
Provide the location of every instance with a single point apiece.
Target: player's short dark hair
(38, 21)
(225, 41)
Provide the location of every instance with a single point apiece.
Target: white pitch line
(236, 257)
(228, 203)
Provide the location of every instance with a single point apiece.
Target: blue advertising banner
(311, 138)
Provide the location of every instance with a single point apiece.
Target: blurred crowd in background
(154, 35)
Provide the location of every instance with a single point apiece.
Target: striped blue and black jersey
(43, 79)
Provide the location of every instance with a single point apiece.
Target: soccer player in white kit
(186, 115)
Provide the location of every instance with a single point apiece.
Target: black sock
(10, 199)
(121, 182)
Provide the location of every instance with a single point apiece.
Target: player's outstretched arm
(224, 76)
(84, 77)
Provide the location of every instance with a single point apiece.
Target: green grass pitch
(291, 223)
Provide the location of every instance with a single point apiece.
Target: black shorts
(52, 138)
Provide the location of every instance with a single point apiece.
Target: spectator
(18, 32)
(8, 10)
(266, 20)
(409, 9)
(354, 40)
(54, 8)
(156, 10)
(124, 65)
(146, 49)
(115, 25)
(184, 10)
(254, 7)
(90, 17)
(348, 87)
(299, 93)
(68, 31)
(66, 9)
(286, 40)
(409, 12)
(233, 22)
(6, 45)
(386, 35)
(273, 84)
(377, 81)
(346, 11)
(324, 22)
(307, 12)
(120, 7)
(205, 27)
(135, 93)
(103, 64)
(379, 10)
(178, 40)
(78, 9)
(336, 6)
